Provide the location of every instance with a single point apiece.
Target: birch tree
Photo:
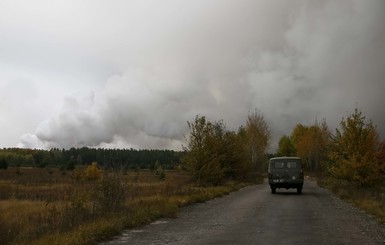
(258, 137)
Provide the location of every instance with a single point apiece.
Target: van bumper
(287, 184)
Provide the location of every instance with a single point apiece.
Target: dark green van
(285, 172)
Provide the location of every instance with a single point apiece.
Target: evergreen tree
(3, 164)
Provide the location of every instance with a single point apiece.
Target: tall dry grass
(40, 206)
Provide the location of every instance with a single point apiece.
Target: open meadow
(52, 206)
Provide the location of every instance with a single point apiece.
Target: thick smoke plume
(295, 61)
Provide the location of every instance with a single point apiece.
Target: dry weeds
(40, 206)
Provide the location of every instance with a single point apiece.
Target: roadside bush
(92, 172)
(109, 194)
(354, 152)
(159, 171)
(77, 211)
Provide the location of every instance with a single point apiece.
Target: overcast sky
(132, 73)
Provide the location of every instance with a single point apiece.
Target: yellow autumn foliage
(92, 172)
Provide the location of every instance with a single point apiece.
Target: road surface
(255, 216)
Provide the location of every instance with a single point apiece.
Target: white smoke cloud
(333, 60)
(163, 63)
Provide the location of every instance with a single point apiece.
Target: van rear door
(285, 171)
(278, 171)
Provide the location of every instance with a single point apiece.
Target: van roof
(283, 158)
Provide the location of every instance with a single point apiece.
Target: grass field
(50, 206)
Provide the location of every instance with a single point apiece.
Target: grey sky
(131, 73)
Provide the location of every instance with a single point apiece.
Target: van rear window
(279, 165)
(284, 164)
(291, 164)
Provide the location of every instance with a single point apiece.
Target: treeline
(109, 158)
(353, 152)
(215, 154)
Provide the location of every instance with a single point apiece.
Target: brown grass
(371, 200)
(48, 206)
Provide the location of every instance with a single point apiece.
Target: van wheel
(299, 190)
(273, 190)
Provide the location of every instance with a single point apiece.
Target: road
(255, 216)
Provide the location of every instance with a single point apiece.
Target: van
(285, 172)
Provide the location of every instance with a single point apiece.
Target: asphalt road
(255, 216)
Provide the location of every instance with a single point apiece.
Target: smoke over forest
(131, 74)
